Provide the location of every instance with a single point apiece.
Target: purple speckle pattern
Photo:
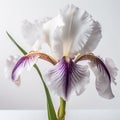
(66, 76)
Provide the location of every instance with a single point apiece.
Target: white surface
(30, 95)
(71, 115)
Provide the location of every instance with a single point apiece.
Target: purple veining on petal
(66, 77)
(105, 73)
(20, 61)
(103, 79)
(68, 71)
(26, 62)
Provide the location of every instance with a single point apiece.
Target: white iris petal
(66, 77)
(103, 83)
(112, 68)
(73, 31)
(10, 63)
(53, 32)
(31, 32)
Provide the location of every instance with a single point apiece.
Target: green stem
(61, 112)
(50, 107)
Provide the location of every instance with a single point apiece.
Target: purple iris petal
(26, 62)
(19, 64)
(66, 76)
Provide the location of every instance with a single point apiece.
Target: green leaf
(20, 48)
(50, 107)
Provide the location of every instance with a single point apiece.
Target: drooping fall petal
(103, 83)
(112, 68)
(66, 77)
(10, 63)
(27, 61)
(102, 73)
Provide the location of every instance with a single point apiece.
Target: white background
(71, 115)
(30, 95)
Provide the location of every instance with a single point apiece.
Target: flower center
(67, 59)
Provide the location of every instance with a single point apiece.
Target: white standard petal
(33, 33)
(81, 33)
(52, 35)
(26, 62)
(73, 31)
(93, 39)
(10, 63)
(66, 77)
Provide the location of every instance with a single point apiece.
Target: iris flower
(70, 38)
